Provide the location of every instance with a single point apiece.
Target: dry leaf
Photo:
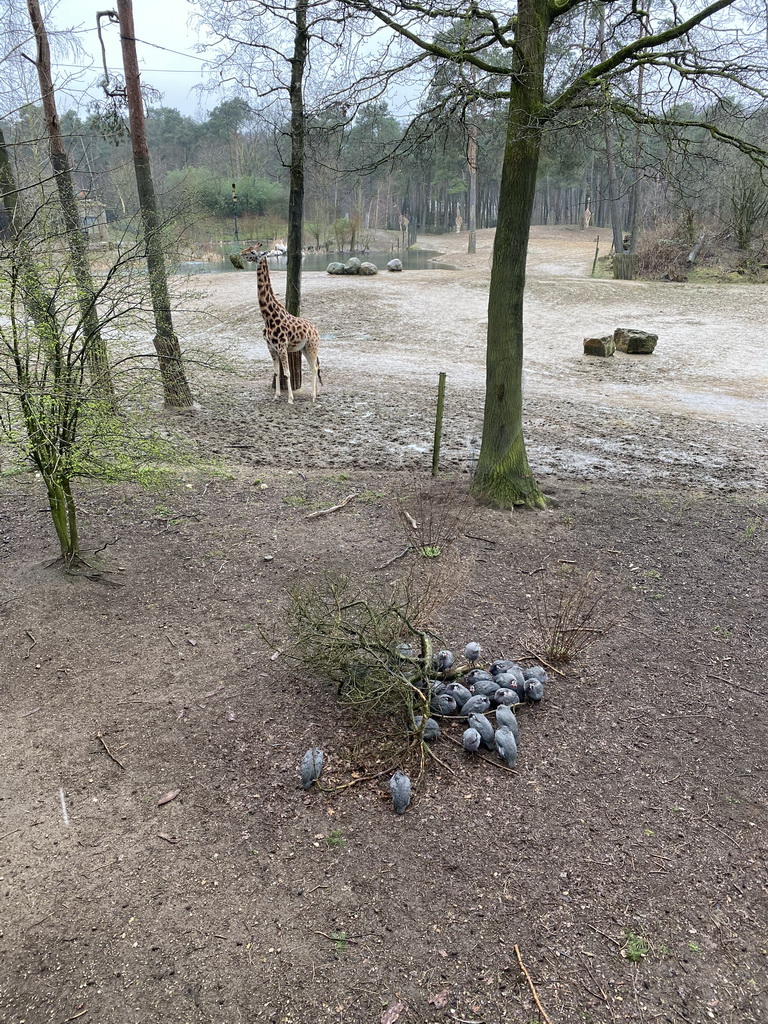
(440, 1000)
(173, 840)
(392, 1014)
(167, 797)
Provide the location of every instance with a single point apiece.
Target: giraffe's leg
(310, 354)
(276, 365)
(283, 353)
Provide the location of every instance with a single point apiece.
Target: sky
(173, 70)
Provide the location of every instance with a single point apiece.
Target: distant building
(93, 219)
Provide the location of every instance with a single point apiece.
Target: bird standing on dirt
(479, 703)
(400, 788)
(472, 652)
(459, 693)
(431, 729)
(504, 716)
(311, 766)
(506, 746)
(470, 740)
(443, 704)
(482, 726)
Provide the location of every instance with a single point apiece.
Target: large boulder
(353, 265)
(335, 268)
(395, 265)
(368, 269)
(599, 346)
(634, 342)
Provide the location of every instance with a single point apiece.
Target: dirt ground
(636, 821)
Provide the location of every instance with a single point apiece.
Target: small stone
(634, 342)
(599, 346)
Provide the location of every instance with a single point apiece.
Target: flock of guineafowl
(471, 693)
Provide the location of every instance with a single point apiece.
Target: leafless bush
(570, 612)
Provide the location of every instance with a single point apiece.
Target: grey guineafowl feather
(506, 746)
(443, 660)
(485, 687)
(471, 740)
(431, 729)
(481, 724)
(504, 665)
(536, 672)
(476, 673)
(443, 704)
(506, 717)
(459, 693)
(311, 766)
(400, 788)
(506, 696)
(534, 690)
(472, 652)
(478, 703)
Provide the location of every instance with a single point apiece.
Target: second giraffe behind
(283, 332)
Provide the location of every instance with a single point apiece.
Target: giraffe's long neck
(268, 302)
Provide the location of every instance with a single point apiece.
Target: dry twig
(532, 987)
(103, 742)
(333, 508)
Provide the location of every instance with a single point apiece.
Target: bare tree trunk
(95, 349)
(472, 165)
(296, 194)
(176, 390)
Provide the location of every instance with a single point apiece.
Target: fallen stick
(395, 558)
(333, 508)
(528, 978)
(546, 664)
(103, 742)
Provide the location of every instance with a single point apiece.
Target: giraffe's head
(255, 254)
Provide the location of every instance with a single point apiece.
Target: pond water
(412, 259)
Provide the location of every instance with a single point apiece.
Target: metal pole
(438, 424)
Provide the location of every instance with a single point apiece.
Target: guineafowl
(513, 678)
(476, 673)
(472, 652)
(431, 729)
(505, 696)
(504, 665)
(504, 716)
(400, 788)
(506, 746)
(478, 703)
(459, 693)
(443, 660)
(536, 672)
(481, 725)
(443, 704)
(471, 740)
(534, 690)
(485, 687)
(311, 766)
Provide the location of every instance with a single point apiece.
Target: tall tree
(681, 47)
(98, 360)
(176, 390)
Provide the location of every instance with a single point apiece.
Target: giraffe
(283, 332)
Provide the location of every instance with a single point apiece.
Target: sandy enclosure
(693, 412)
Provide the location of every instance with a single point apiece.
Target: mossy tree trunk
(503, 475)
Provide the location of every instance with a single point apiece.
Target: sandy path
(694, 412)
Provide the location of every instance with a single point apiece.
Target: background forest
(362, 171)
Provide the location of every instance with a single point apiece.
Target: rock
(394, 265)
(599, 346)
(353, 265)
(335, 268)
(634, 342)
(368, 269)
